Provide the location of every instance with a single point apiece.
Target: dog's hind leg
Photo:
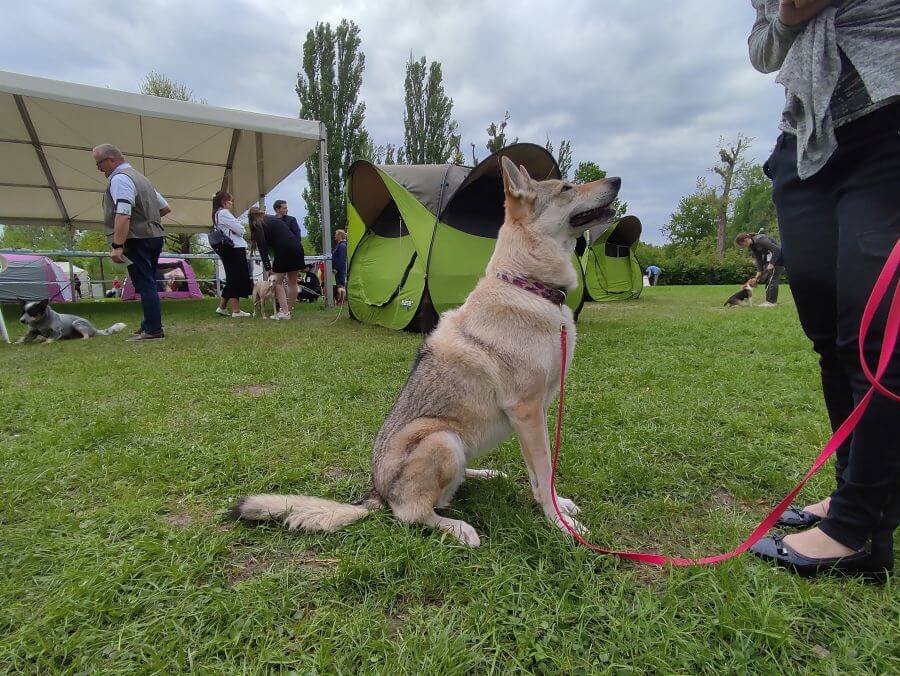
(428, 478)
(484, 474)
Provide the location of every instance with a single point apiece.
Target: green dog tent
(611, 270)
(420, 236)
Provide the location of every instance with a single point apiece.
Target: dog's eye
(566, 187)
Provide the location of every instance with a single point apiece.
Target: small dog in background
(745, 294)
(261, 291)
(43, 321)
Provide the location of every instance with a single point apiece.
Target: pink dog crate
(188, 287)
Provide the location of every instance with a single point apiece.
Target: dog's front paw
(566, 506)
(466, 534)
(574, 524)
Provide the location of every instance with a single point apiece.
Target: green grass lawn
(684, 422)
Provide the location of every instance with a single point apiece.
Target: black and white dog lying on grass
(41, 320)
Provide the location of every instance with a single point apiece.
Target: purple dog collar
(555, 296)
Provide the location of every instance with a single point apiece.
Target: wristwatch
(117, 246)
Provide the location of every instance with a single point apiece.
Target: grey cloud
(645, 89)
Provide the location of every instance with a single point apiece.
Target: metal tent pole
(260, 174)
(3, 330)
(71, 243)
(325, 210)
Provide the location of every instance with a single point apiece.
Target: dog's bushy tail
(305, 512)
(115, 328)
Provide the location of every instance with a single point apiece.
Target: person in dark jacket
(339, 261)
(310, 287)
(769, 262)
(282, 239)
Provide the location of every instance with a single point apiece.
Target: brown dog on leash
(262, 291)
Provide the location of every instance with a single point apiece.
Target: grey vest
(145, 219)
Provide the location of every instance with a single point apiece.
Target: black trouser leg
(772, 285)
(837, 229)
(808, 230)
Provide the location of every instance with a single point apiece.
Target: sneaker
(240, 313)
(220, 311)
(282, 315)
(142, 336)
(766, 304)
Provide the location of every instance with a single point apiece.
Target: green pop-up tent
(420, 236)
(611, 270)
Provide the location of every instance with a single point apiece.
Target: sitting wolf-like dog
(43, 321)
(490, 368)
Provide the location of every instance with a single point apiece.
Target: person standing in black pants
(836, 189)
(234, 258)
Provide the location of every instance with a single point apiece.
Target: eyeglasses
(99, 162)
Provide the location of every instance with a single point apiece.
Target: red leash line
(889, 341)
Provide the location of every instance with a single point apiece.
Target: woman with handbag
(227, 240)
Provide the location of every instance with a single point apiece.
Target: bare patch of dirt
(182, 517)
(336, 473)
(724, 499)
(252, 390)
(246, 565)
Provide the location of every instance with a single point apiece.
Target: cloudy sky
(644, 88)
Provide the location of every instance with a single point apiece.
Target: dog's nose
(615, 181)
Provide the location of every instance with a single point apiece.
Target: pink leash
(891, 330)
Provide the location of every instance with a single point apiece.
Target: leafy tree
(729, 160)
(588, 172)
(695, 221)
(38, 238)
(564, 159)
(753, 207)
(328, 89)
(157, 84)
(497, 136)
(430, 129)
(458, 157)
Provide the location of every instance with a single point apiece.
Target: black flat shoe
(872, 567)
(794, 517)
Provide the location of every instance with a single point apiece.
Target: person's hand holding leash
(117, 255)
(794, 12)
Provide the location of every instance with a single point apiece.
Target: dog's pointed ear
(515, 184)
(43, 304)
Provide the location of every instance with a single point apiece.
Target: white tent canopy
(187, 150)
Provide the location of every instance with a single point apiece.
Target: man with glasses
(132, 211)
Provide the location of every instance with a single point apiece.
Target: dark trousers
(144, 255)
(837, 229)
(771, 280)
